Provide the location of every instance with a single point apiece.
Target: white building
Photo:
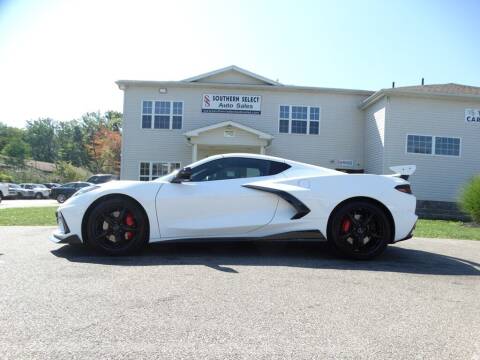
(169, 124)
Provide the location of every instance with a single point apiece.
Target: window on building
(438, 145)
(419, 144)
(447, 146)
(147, 115)
(284, 124)
(162, 114)
(151, 170)
(300, 120)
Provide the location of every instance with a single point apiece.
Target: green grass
(447, 230)
(28, 216)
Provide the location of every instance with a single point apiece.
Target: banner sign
(472, 116)
(238, 104)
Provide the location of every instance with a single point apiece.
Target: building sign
(238, 104)
(472, 116)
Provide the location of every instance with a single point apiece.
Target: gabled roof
(259, 133)
(233, 68)
(433, 90)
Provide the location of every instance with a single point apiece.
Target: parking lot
(237, 300)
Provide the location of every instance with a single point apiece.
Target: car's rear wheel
(61, 198)
(1, 197)
(117, 227)
(38, 196)
(360, 230)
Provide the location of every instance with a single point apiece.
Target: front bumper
(63, 233)
(61, 238)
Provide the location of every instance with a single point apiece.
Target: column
(194, 152)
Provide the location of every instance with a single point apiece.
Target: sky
(60, 59)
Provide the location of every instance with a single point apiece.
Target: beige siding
(341, 127)
(437, 177)
(375, 137)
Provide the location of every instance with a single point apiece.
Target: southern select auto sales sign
(238, 104)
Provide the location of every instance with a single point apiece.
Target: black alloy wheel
(360, 230)
(117, 227)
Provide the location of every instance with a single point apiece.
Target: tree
(7, 133)
(40, 135)
(16, 151)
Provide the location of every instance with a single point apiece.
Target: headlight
(86, 189)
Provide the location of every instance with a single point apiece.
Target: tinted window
(236, 168)
(68, 185)
(277, 167)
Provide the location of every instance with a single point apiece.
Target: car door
(214, 203)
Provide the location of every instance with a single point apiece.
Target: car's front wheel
(360, 230)
(38, 196)
(61, 198)
(117, 226)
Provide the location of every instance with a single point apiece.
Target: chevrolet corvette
(244, 196)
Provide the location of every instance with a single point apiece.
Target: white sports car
(244, 196)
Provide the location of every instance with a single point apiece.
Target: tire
(1, 197)
(61, 198)
(359, 230)
(117, 226)
(38, 196)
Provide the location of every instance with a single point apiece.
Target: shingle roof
(450, 88)
(435, 90)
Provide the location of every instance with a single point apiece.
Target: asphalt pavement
(237, 301)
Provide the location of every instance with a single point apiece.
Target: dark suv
(101, 178)
(62, 193)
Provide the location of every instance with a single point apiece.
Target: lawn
(425, 228)
(447, 230)
(28, 216)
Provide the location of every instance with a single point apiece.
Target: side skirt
(313, 235)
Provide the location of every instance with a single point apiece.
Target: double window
(299, 120)
(150, 170)
(437, 145)
(162, 114)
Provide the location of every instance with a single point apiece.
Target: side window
(236, 168)
(277, 167)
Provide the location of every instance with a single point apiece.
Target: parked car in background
(3, 190)
(101, 178)
(51, 185)
(40, 191)
(63, 192)
(15, 191)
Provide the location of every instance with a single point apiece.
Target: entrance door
(205, 151)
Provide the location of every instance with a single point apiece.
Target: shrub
(470, 198)
(67, 172)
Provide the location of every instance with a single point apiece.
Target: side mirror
(183, 175)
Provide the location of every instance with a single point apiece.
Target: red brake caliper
(346, 223)
(129, 221)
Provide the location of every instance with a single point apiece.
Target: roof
(262, 83)
(233, 68)
(259, 133)
(433, 90)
